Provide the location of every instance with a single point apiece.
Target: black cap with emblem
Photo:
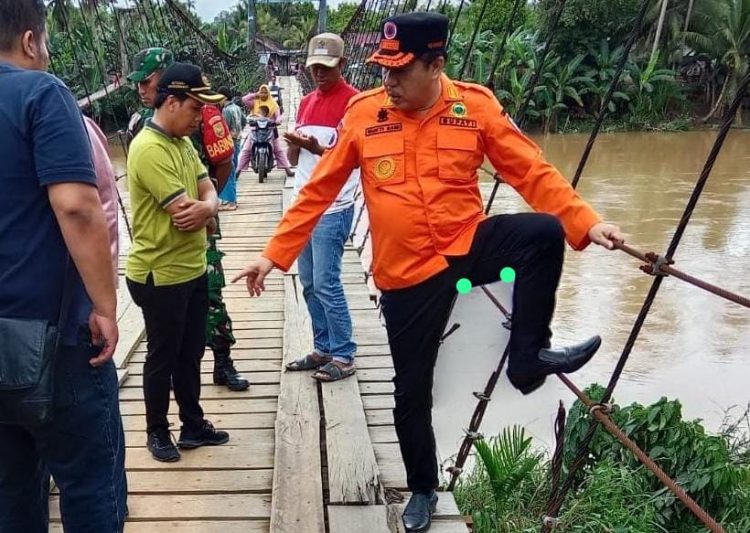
(406, 37)
(188, 80)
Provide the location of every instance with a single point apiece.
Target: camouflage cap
(148, 61)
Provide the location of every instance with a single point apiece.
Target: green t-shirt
(160, 169)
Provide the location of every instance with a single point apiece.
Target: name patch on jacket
(458, 122)
(385, 128)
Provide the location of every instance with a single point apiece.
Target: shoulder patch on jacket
(475, 88)
(358, 99)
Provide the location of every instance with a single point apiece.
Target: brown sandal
(333, 372)
(308, 362)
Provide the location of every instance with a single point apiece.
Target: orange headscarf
(269, 102)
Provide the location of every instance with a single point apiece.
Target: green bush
(508, 490)
(706, 466)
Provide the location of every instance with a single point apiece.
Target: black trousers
(416, 317)
(175, 317)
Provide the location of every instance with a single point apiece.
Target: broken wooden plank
(353, 475)
(297, 503)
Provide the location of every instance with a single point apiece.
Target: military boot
(226, 374)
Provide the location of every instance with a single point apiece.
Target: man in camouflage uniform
(148, 66)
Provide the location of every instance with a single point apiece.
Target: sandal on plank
(308, 362)
(332, 372)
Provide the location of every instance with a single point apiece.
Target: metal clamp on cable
(605, 408)
(474, 435)
(482, 397)
(454, 470)
(655, 263)
(551, 521)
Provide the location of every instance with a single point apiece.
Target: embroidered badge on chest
(385, 168)
(459, 110)
(383, 115)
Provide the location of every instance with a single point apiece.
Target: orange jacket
(419, 177)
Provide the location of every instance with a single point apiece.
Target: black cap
(405, 37)
(182, 78)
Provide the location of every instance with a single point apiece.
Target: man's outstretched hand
(308, 142)
(606, 235)
(255, 274)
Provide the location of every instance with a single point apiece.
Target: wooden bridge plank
(227, 457)
(227, 422)
(359, 519)
(196, 526)
(214, 392)
(210, 407)
(297, 505)
(192, 507)
(353, 475)
(200, 481)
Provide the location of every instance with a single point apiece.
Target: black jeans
(416, 317)
(175, 317)
(83, 447)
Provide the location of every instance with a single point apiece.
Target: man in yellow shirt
(173, 200)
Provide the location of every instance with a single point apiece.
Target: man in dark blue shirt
(53, 232)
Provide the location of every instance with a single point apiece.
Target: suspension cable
(634, 34)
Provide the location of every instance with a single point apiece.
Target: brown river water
(694, 345)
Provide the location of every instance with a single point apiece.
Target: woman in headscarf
(255, 101)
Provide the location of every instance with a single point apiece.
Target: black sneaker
(206, 435)
(161, 446)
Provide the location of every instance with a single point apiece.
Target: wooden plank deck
(301, 457)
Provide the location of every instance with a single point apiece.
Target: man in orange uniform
(419, 141)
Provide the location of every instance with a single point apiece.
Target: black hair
(428, 57)
(268, 110)
(161, 97)
(225, 91)
(18, 17)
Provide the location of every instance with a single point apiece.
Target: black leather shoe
(225, 374)
(559, 361)
(417, 516)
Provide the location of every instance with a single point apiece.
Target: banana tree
(602, 72)
(646, 79)
(722, 30)
(562, 83)
(514, 95)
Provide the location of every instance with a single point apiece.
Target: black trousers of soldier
(533, 245)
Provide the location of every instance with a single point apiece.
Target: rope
(538, 72)
(76, 59)
(550, 520)
(455, 22)
(500, 52)
(205, 39)
(148, 33)
(729, 117)
(657, 265)
(478, 26)
(532, 83)
(634, 34)
(601, 417)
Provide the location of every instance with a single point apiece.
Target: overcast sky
(208, 9)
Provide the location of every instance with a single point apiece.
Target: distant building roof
(264, 44)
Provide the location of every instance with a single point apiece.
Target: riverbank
(509, 489)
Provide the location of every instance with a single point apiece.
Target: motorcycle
(263, 132)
